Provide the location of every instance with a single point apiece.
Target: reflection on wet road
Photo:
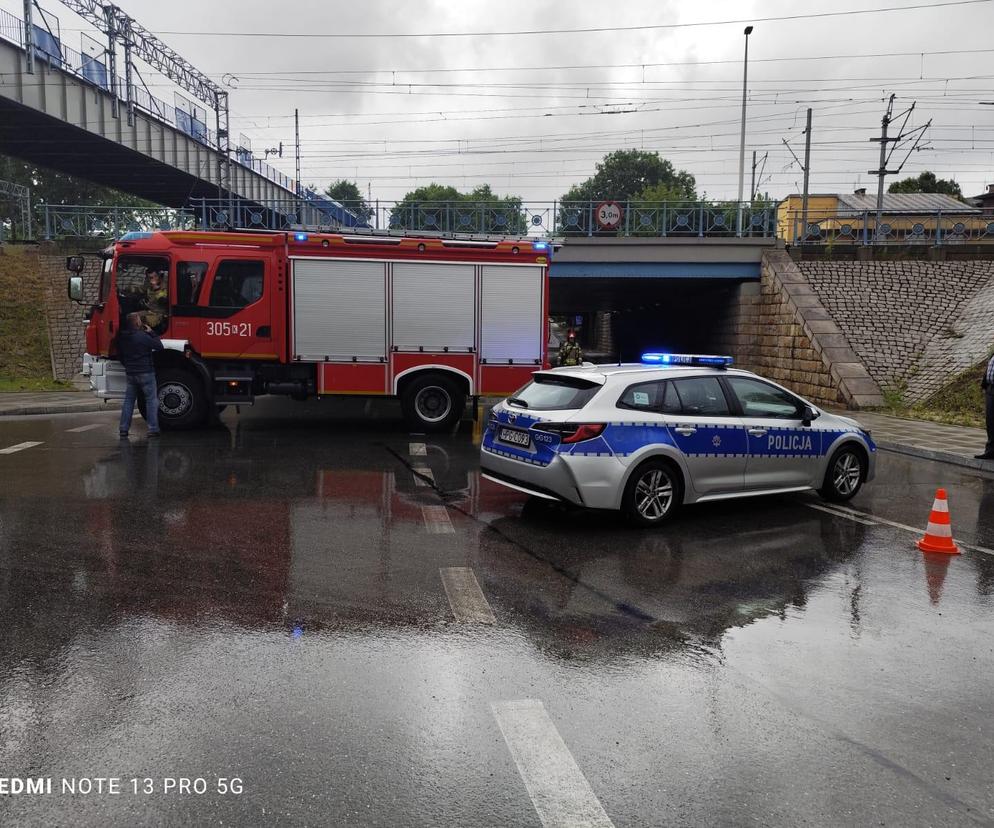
(347, 619)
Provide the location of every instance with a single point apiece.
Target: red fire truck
(433, 321)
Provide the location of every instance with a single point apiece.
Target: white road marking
(21, 446)
(89, 427)
(420, 473)
(557, 787)
(831, 511)
(437, 520)
(852, 514)
(469, 604)
(417, 449)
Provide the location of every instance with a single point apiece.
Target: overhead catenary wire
(645, 27)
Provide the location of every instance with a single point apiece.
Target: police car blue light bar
(702, 360)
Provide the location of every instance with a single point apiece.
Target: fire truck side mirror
(75, 264)
(76, 288)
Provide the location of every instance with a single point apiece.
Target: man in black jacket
(987, 383)
(135, 346)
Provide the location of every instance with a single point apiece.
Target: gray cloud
(461, 134)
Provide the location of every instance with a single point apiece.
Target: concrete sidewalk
(14, 403)
(921, 438)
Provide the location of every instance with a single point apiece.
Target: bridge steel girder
(59, 120)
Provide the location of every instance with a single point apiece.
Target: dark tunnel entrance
(622, 318)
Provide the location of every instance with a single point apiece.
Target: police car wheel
(845, 474)
(432, 403)
(653, 494)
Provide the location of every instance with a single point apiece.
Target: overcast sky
(373, 112)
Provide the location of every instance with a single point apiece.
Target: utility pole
(29, 38)
(752, 185)
(742, 137)
(885, 156)
(806, 167)
(807, 171)
(882, 170)
(761, 166)
(296, 140)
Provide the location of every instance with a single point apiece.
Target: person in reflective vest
(155, 300)
(570, 352)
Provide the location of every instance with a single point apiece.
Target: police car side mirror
(808, 415)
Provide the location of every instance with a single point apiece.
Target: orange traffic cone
(939, 534)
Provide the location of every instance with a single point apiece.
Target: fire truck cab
(433, 321)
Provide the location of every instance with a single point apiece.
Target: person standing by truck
(135, 346)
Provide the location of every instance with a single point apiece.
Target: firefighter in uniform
(155, 300)
(570, 352)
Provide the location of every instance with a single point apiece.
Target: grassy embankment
(958, 402)
(25, 359)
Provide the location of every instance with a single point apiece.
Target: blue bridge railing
(507, 217)
(861, 228)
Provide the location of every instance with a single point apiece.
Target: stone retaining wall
(780, 329)
(914, 324)
(67, 319)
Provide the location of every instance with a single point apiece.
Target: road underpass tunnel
(620, 319)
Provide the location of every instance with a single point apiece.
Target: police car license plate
(511, 435)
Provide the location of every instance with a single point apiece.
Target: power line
(593, 30)
(573, 67)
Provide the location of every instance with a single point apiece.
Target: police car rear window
(554, 394)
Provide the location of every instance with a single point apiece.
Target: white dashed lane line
(557, 787)
(868, 519)
(469, 604)
(81, 428)
(437, 520)
(21, 446)
(829, 510)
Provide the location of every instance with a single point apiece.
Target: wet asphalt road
(279, 601)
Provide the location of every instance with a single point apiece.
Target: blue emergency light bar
(703, 360)
(300, 237)
(540, 246)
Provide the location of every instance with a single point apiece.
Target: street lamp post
(742, 139)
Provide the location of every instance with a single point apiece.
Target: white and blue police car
(678, 428)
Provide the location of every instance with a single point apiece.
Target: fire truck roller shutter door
(339, 310)
(433, 306)
(512, 314)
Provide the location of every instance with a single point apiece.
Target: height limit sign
(608, 215)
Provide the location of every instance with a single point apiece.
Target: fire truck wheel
(182, 403)
(432, 403)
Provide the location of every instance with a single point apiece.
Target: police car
(678, 428)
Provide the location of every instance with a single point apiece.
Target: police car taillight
(700, 360)
(573, 432)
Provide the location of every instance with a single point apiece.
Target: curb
(938, 456)
(85, 408)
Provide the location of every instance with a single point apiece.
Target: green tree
(926, 183)
(348, 194)
(625, 175)
(57, 188)
(53, 187)
(440, 207)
